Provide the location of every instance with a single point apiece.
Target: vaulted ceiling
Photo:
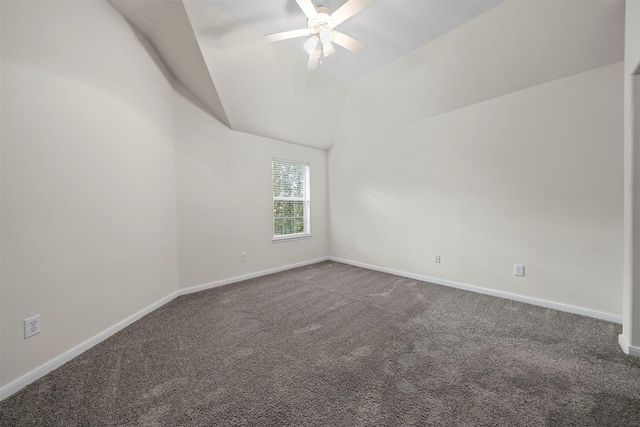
(217, 50)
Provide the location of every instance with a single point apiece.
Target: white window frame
(306, 199)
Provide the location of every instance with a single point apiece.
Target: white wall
(95, 135)
(88, 177)
(632, 37)
(631, 321)
(225, 203)
(496, 146)
(533, 177)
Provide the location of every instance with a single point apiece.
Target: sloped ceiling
(167, 26)
(517, 45)
(391, 28)
(216, 49)
(265, 87)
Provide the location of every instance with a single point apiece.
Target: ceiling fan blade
(348, 43)
(314, 59)
(308, 8)
(348, 9)
(287, 35)
(327, 49)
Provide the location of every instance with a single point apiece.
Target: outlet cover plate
(518, 269)
(32, 326)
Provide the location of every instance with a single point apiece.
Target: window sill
(288, 238)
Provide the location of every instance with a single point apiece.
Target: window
(291, 203)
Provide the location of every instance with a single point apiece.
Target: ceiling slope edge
(168, 28)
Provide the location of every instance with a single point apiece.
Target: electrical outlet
(352, 246)
(32, 326)
(518, 270)
(243, 256)
(437, 259)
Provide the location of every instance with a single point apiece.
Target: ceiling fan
(321, 24)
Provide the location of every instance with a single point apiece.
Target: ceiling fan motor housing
(321, 21)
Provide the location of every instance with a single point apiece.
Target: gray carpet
(331, 344)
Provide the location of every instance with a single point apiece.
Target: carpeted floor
(335, 345)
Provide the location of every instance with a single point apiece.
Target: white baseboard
(515, 297)
(56, 362)
(60, 360)
(628, 348)
(236, 279)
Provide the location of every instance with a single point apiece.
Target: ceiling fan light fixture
(325, 35)
(311, 44)
(327, 49)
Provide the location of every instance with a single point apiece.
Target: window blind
(291, 201)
